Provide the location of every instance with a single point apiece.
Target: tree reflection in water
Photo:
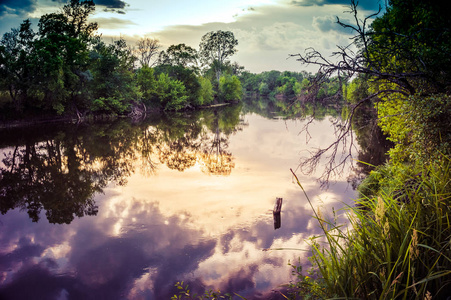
(60, 170)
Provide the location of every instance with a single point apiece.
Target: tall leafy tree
(215, 48)
(63, 53)
(179, 55)
(16, 55)
(113, 86)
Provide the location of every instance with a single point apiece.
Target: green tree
(215, 48)
(113, 86)
(16, 56)
(230, 88)
(63, 53)
(170, 93)
(411, 41)
(179, 55)
(146, 83)
(187, 76)
(263, 89)
(206, 92)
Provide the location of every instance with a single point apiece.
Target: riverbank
(397, 245)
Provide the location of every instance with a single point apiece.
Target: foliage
(170, 93)
(290, 85)
(397, 247)
(308, 286)
(187, 76)
(109, 105)
(263, 89)
(428, 116)
(205, 93)
(356, 90)
(111, 66)
(230, 88)
(215, 48)
(146, 82)
(179, 55)
(412, 41)
(185, 293)
(66, 69)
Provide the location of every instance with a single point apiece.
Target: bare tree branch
(147, 50)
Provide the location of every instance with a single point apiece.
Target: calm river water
(122, 210)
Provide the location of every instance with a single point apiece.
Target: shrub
(230, 88)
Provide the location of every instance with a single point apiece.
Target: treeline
(292, 85)
(65, 68)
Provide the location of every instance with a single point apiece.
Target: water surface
(122, 210)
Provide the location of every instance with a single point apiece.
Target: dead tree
(147, 51)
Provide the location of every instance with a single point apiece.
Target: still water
(124, 210)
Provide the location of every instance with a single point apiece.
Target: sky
(268, 31)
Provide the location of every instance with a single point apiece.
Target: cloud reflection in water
(156, 230)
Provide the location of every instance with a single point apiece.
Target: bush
(146, 83)
(170, 93)
(205, 93)
(230, 88)
(419, 126)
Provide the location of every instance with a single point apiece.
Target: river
(125, 210)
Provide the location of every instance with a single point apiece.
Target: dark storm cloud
(115, 6)
(364, 4)
(111, 3)
(16, 7)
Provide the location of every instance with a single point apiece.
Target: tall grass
(397, 245)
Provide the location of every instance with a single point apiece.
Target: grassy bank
(397, 245)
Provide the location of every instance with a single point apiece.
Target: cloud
(364, 4)
(112, 23)
(112, 3)
(17, 7)
(329, 23)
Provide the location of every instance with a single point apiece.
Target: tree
(205, 92)
(215, 48)
(179, 55)
(230, 88)
(16, 51)
(404, 53)
(147, 50)
(113, 86)
(170, 93)
(77, 13)
(62, 57)
(146, 83)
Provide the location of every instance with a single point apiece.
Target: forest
(65, 68)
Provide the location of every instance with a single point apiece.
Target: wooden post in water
(278, 205)
(276, 213)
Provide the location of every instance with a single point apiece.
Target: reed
(397, 245)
